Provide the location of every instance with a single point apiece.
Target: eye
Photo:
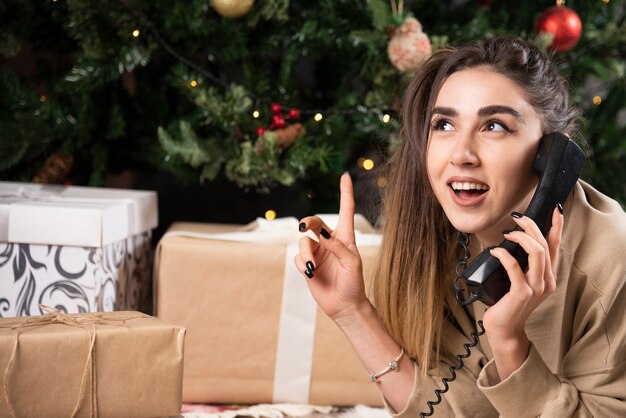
(439, 124)
(497, 126)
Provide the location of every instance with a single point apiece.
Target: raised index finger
(345, 225)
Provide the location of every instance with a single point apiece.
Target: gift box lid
(73, 215)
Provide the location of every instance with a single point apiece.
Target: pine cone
(55, 169)
(288, 135)
(284, 137)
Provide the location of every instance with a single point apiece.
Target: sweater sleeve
(463, 398)
(592, 381)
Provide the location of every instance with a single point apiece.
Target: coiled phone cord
(463, 242)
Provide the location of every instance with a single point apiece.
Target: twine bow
(54, 316)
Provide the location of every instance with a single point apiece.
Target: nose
(465, 152)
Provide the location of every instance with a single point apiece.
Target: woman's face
(483, 139)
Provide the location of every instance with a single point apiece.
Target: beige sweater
(577, 361)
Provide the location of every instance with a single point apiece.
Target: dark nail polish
(310, 266)
(516, 215)
(302, 226)
(308, 274)
(507, 231)
(324, 233)
(559, 207)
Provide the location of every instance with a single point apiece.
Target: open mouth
(468, 190)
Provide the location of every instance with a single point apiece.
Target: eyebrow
(492, 110)
(483, 111)
(445, 111)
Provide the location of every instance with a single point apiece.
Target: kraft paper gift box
(254, 332)
(79, 249)
(114, 364)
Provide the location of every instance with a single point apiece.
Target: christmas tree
(267, 93)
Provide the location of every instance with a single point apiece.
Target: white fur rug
(295, 411)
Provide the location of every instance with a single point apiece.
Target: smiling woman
(480, 117)
(555, 343)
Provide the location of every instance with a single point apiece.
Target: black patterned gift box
(76, 249)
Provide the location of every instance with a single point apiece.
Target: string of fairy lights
(317, 115)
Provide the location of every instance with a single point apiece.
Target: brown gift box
(228, 297)
(135, 367)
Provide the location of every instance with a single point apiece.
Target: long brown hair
(418, 254)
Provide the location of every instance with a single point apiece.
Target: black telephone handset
(559, 163)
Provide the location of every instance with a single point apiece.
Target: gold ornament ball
(232, 8)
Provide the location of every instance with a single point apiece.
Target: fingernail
(324, 233)
(559, 207)
(310, 266)
(507, 231)
(516, 215)
(308, 274)
(302, 226)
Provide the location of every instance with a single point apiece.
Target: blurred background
(237, 109)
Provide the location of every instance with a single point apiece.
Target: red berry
(276, 108)
(278, 121)
(293, 114)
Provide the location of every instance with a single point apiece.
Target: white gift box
(78, 249)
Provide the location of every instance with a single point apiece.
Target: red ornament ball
(260, 131)
(276, 108)
(278, 122)
(564, 24)
(293, 114)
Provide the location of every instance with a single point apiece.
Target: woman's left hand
(505, 321)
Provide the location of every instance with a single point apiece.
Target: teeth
(458, 185)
